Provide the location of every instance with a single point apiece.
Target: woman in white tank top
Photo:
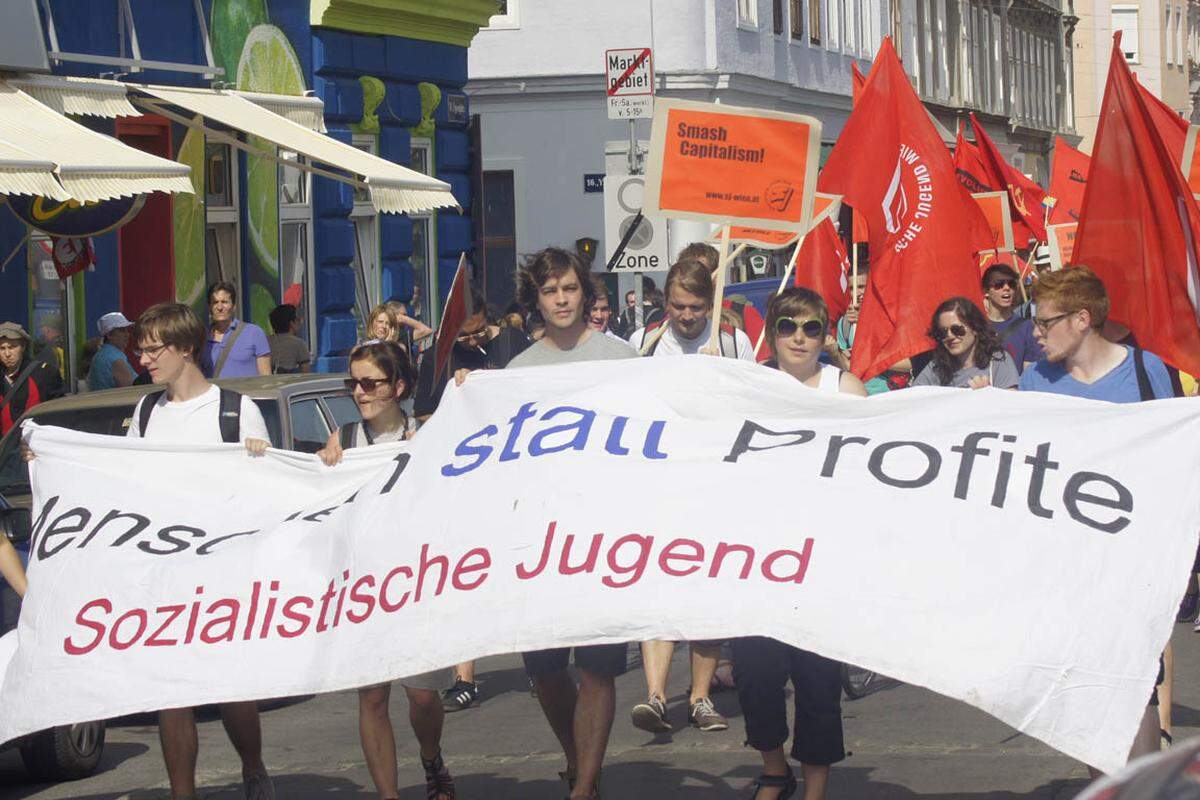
(797, 326)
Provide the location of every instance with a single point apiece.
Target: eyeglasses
(1003, 283)
(152, 352)
(1044, 325)
(368, 385)
(812, 328)
(469, 335)
(958, 331)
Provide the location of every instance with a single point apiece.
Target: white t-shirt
(195, 421)
(672, 345)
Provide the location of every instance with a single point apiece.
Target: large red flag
(892, 165)
(1140, 224)
(1025, 196)
(1068, 179)
(824, 267)
(972, 172)
(457, 310)
(857, 82)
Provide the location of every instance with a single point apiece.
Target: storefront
(286, 199)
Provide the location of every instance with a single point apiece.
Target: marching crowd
(1059, 340)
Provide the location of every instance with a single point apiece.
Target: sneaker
(259, 787)
(1188, 608)
(461, 695)
(705, 717)
(651, 716)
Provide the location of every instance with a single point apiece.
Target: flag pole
(714, 339)
(787, 274)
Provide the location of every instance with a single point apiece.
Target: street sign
(593, 182)
(648, 249)
(629, 82)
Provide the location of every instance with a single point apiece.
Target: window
(1125, 20)
(342, 408)
(424, 257)
(368, 279)
(222, 251)
(777, 17)
(814, 20)
(508, 17)
(796, 17)
(1170, 39)
(833, 31)
(53, 307)
(1180, 26)
(747, 14)
(309, 428)
(498, 220)
(295, 236)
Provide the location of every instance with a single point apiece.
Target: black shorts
(603, 659)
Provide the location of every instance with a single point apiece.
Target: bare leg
(244, 729)
(705, 656)
(593, 722)
(816, 778)
(558, 695)
(180, 745)
(426, 716)
(1146, 740)
(656, 659)
(378, 739)
(465, 672)
(774, 763)
(1167, 688)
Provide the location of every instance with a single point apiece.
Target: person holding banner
(1000, 292)
(688, 325)
(968, 354)
(557, 284)
(797, 322)
(381, 377)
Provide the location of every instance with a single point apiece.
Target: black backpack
(229, 417)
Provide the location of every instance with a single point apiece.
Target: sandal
(438, 783)
(785, 782)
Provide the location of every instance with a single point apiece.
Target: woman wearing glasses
(381, 377)
(797, 324)
(968, 353)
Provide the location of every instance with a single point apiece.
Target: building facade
(390, 75)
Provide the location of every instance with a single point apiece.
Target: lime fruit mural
(187, 213)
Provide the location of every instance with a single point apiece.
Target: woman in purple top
(249, 354)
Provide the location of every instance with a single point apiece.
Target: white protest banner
(1024, 553)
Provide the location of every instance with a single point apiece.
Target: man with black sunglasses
(1001, 293)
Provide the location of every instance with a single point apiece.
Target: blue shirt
(1016, 334)
(241, 363)
(100, 376)
(1119, 385)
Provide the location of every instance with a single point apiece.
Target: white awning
(306, 111)
(89, 165)
(393, 188)
(81, 96)
(24, 173)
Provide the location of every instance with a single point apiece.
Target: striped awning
(21, 172)
(90, 97)
(306, 111)
(394, 189)
(89, 165)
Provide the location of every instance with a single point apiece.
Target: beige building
(1160, 40)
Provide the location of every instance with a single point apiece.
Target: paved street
(906, 742)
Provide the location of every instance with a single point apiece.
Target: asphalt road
(905, 742)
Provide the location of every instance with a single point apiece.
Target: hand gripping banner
(1023, 553)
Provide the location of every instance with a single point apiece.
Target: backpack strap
(346, 435)
(730, 331)
(230, 416)
(147, 407)
(647, 332)
(1143, 377)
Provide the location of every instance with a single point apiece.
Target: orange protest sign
(1191, 164)
(762, 238)
(825, 206)
(995, 208)
(1062, 244)
(730, 165)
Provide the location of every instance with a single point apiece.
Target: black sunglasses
(959, 331)
(1003, 283)
(786, 326)
(368, 384)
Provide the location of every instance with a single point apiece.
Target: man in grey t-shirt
(289, 353)
(556, 283)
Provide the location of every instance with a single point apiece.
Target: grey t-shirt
(1002, 373)
(597, 347)
(288, 352)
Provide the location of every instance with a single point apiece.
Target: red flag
(892, 165)
(972, 172)
(824, 267)
(1068, 178)
(1024, 195)
(457, 311)
(858, 225)
(1140, 225)
(1171, 127)
(857, 82)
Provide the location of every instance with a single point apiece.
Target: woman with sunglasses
(968, 353)
(797, 323)
(381, 377)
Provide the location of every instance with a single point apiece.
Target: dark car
(300, 411)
